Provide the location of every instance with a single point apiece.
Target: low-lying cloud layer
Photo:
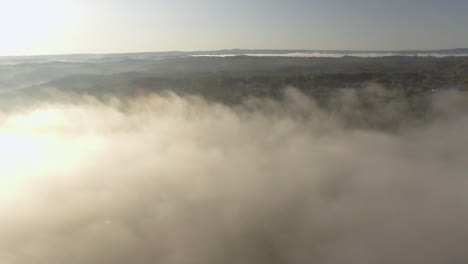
(335, 55)
(167, 179)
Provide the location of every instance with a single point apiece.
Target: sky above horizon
(30, 27)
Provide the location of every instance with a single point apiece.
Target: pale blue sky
(104, 26)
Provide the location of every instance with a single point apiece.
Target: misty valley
(234, 156)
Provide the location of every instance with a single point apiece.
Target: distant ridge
(229, 52)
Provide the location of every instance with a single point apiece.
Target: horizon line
(233, 49)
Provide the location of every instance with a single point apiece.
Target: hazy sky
(105, 26)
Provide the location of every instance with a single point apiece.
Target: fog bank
(168, 179)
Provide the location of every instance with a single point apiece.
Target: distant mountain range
(228, 52)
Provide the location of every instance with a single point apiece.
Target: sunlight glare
(38, 146)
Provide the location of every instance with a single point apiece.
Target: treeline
(231, 79)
